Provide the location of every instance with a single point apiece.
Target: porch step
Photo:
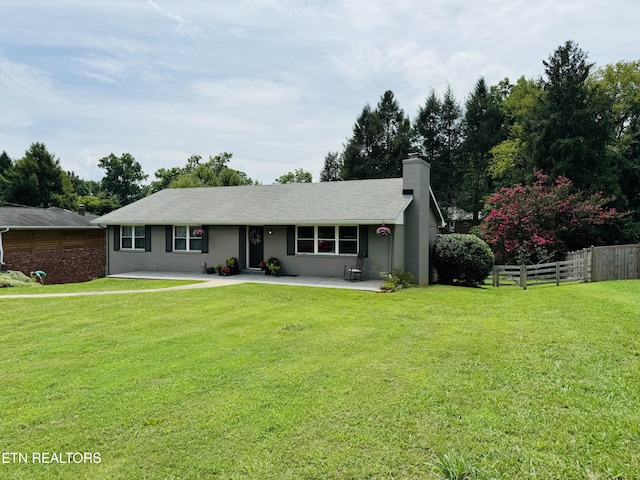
(251, 272)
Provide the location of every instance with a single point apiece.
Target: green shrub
(397, 280)
(13, 278)
(460, 258)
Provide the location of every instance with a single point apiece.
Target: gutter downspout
(1, 249)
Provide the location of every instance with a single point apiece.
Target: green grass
(99, 285)
(277, 382)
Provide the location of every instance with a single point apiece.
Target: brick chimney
(82, 210)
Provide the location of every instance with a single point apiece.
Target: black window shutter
(291, 240)
(116, 238)
(242, 246)
(205, 239)
(147, 238)
(169, 238)
(364, 240)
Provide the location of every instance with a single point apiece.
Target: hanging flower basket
(383, 231)
(198, 232)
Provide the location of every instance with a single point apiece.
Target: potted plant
(270, 265)
(263, 266)
(225, 271)
(275, 270)
(219, 269)
(232, 263)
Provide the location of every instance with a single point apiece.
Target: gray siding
(275, 245)
(223, 243)
(385, 253)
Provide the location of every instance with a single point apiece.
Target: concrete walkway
(210, 281)
(258, 277)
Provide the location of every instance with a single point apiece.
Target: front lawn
(277, 382)
(99, 285)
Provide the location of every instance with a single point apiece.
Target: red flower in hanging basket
(383, 231)
(198, 232)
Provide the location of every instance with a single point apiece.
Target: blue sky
(278, 83)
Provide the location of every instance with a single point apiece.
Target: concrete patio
(257, 277)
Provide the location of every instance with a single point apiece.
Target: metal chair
(354, 272)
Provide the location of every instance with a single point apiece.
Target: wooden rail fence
(594, 264)
(543, 273)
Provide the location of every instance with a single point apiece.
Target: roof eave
(52, 227)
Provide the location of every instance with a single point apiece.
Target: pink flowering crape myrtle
(536, 223)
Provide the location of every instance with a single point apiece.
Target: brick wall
(62, 265)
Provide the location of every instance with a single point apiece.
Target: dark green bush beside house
(462, 259)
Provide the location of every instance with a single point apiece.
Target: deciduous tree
(510, 163)
(298, 176)
(621, 84)
(215, 172)
(123, 178)
(539, 222)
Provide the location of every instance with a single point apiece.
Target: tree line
(574, 121)
(38, 180)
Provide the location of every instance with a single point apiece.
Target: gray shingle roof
(52, 217)
(356, 201)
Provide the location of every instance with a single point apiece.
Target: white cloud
(244, 91)
(102, 68)
(25, 81)
(277, 82)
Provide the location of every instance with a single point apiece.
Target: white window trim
(133, 238)
(188, 238)
(336, 239)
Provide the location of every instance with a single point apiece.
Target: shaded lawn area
(277, 382)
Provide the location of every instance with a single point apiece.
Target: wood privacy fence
(616, 262)
(595, 264)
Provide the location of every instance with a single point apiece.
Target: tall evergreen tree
(571, 126)
(482, 130)
(35, 179)
(360, 148)
(331, 171)
(381, 140)
(426, 130)
(5, 164)
(437, 135)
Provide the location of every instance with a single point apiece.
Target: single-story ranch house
(63, 244)
(311, 228)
